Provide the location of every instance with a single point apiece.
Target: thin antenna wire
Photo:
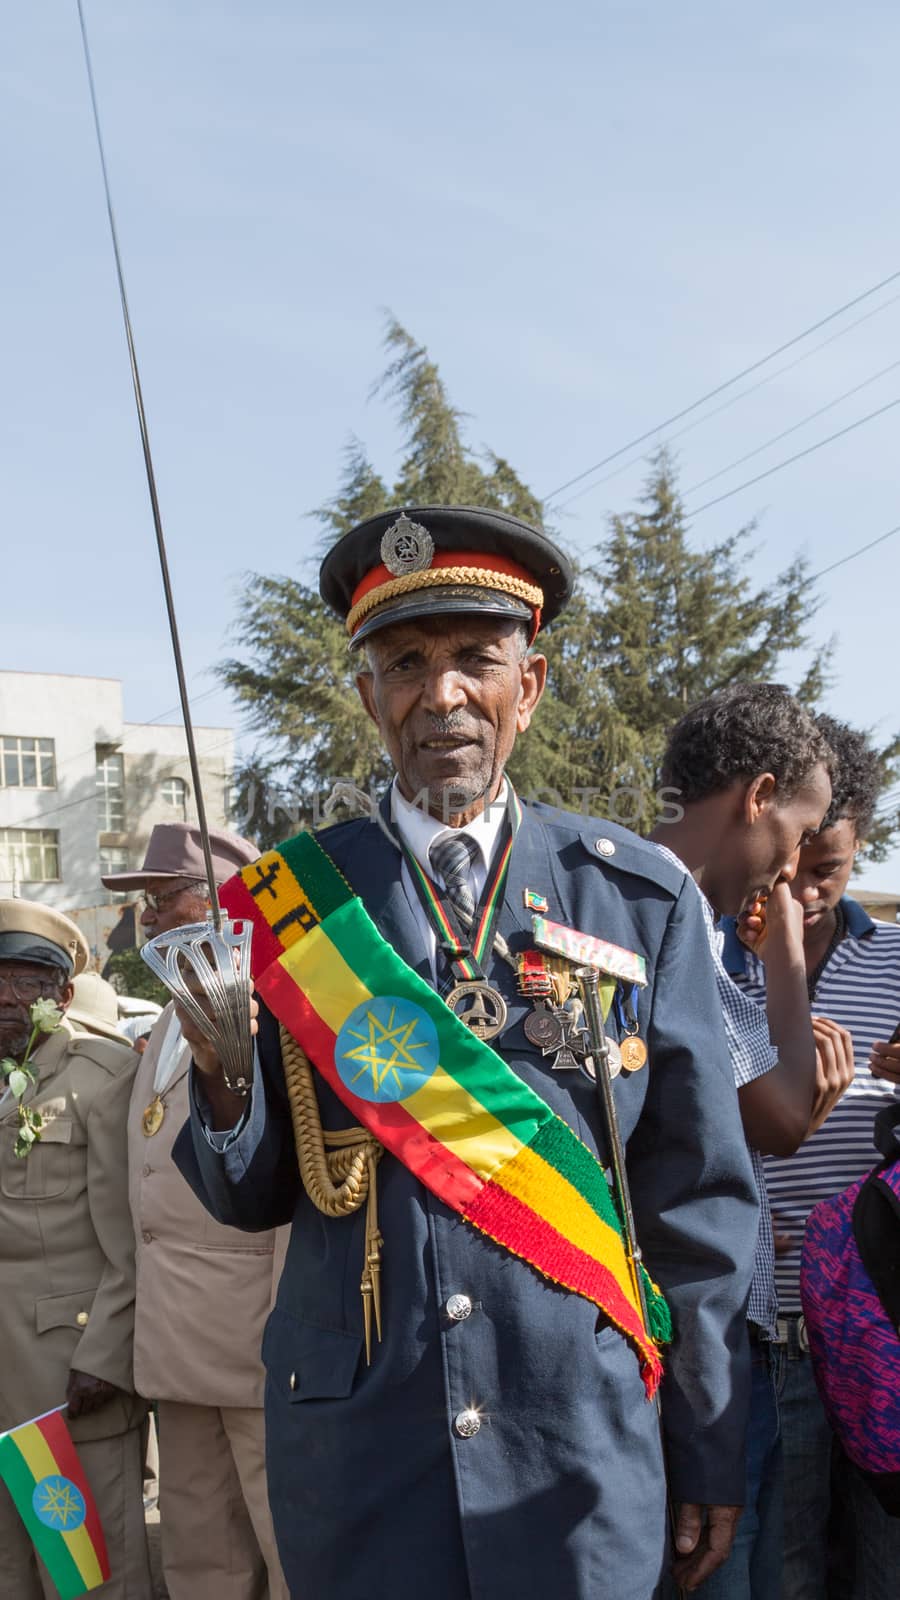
(154, 501)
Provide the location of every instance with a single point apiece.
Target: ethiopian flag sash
(440, 1099)
(42, 1472)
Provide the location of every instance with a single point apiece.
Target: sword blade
(154, 498)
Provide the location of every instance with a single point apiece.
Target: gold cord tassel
(338, 1172)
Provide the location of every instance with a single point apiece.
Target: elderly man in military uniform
(460, 1368)
(67, 1250)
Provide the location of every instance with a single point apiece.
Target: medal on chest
(466, 934)
(481, 1007)
(556, 1025)
(153, 1116)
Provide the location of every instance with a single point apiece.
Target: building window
(113, 858)
(26, 763)
(174, 793)
(110, 790)
(29, 855)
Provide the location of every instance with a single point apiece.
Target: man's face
(21, 983)
(449, 694)
(179, 901)
(773, 832)
(823, 871)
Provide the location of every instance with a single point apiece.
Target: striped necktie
(451, 857)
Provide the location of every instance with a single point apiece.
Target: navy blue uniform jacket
(561, 1490)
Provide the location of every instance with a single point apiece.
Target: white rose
(45, 1016)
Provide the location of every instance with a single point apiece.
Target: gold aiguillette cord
(338, 1171)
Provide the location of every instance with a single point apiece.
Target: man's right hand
(834, 1068)
(226, 1108)
(204, 1053)
(777, 929)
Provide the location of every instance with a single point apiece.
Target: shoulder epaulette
(106, 1053)
(616, 848)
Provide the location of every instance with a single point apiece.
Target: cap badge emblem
(406, 547)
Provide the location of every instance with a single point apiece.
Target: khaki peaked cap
(33, 932)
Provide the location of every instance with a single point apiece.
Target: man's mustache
(454, 726)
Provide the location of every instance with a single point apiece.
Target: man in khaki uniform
(67, 1252)
(203, 1291)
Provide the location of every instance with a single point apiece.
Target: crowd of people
(388, 1326)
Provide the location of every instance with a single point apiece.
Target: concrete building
(81, 788)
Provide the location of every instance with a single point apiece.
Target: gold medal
(634, 1052)
(152, 1118)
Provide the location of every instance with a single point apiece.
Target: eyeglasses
(27, 990)
(155, 902)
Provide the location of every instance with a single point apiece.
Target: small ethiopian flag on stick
(41, 1469)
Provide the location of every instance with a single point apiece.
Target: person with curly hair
(852, 973)
(752, 771)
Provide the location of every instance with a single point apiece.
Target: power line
(91, 796)
(134, 727)
(854, 553)
(777, 437)
(734, 399)
(694, 511)
(721, 387)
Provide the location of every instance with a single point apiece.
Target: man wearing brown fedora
(203, 1290)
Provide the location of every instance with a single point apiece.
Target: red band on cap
(447, 558)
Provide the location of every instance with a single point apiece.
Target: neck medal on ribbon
(471, 998)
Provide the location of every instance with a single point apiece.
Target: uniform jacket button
(467, 1424)
(146, 1236)
(605, 847)
(82, 1319)
(458, 1307)
(292, 1381)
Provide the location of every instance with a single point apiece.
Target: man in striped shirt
(853, 976)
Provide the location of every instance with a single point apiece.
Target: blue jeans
(874, 1561)
(753, 1570)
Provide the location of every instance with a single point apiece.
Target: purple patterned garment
(854, 1347)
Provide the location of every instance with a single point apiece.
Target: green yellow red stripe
(470, 1128)
(503, 1206)
(501, 1140)
(42, 1448)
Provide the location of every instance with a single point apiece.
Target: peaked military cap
(432, 560)
(38, 933)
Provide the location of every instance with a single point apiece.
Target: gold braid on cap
(436, 577)
(337, 1171)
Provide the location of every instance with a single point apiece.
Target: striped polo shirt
(860, 989)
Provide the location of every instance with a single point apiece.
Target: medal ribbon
(466, 953)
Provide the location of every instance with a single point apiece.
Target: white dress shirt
(169, 1056)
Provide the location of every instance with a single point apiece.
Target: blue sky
(591, 214)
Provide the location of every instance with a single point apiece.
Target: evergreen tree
(670, 624)
(654, 626)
